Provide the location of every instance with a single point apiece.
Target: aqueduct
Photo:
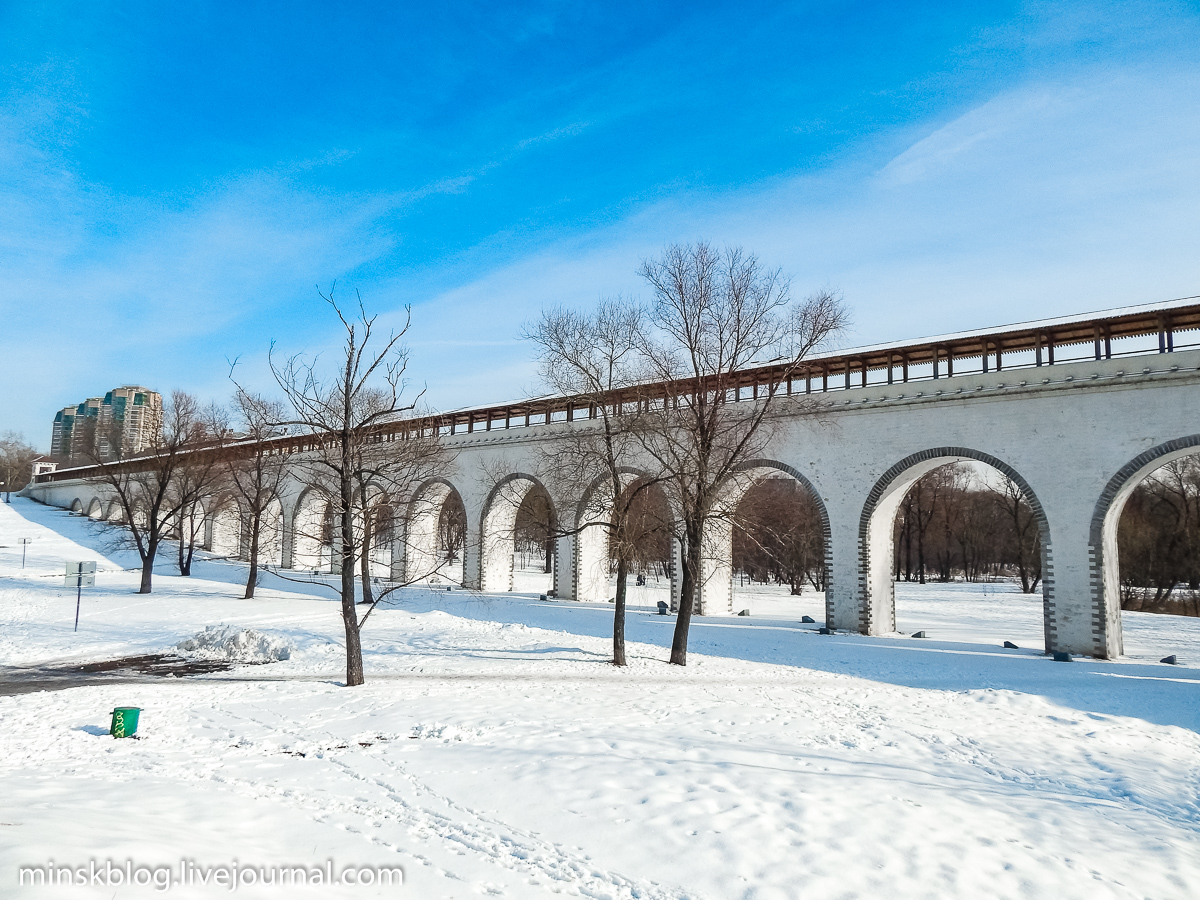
(1076, 411)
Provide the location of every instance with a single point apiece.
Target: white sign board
(80, 574)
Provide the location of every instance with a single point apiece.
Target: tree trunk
(148, 568)
(365, 562)
(619, 612)
(687, 600)
(920, 556)
(354, 665)
(252, 578)
(908, 568)
(187, 547)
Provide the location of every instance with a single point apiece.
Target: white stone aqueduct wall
(1077, 436)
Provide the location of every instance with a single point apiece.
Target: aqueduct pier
(1077, 411)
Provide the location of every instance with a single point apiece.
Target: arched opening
(1145, 540)
(95, 509)
(77, 506)
(498, 532)
(648, 519)
(315, 526)
(225, 531)
(270, 535)
(769, 530)
(373, 531)
(779, 549)
(967, 541)
(533, 542)
(435, 534)
(381, 534)
(645, 538)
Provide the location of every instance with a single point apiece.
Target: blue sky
(176, 179)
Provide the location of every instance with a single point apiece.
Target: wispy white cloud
(565, 131)
(1054, 198)
(1062, 195)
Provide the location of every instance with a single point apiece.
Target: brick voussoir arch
(629, 475)
(419, 493)
(1118, 487)
(495, 497)
(867, 611)
(826, 528)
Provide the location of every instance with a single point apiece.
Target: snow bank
(243, 645)
(444, 733)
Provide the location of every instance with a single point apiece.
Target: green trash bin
(124, 721)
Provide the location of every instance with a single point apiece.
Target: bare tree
(966, 525)
(1027, 538)
(343, 413)
(256, 470)
(385, 475)
(452, 528)
(16, 463)
(149, 486)
(595, 358)
(778, 534)
(199, 479)
(716, 314)
(1159, 540)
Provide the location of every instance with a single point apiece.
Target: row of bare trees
(954, 524)
(205, 458)
(1159, 541)
(208, 458)
(16, 463)
(662, 381)
(779, 536)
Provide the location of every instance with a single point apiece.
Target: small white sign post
(79, 575)
(25, 542)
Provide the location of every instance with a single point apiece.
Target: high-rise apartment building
(124, 421)
(74, 427)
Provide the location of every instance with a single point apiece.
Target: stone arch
(876, 590)
(77, 506)
(591, 544)
(716, 578)
(270, 535)
(224, 528)
(422, 521)
(95, 509)
(380, 513)
(1105, 575)
(313, 530)
(497, 540)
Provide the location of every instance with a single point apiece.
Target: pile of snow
(444, 733)
(243, 645)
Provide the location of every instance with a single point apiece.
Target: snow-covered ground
(494, 752)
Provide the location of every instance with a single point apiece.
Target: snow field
(494, 752)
